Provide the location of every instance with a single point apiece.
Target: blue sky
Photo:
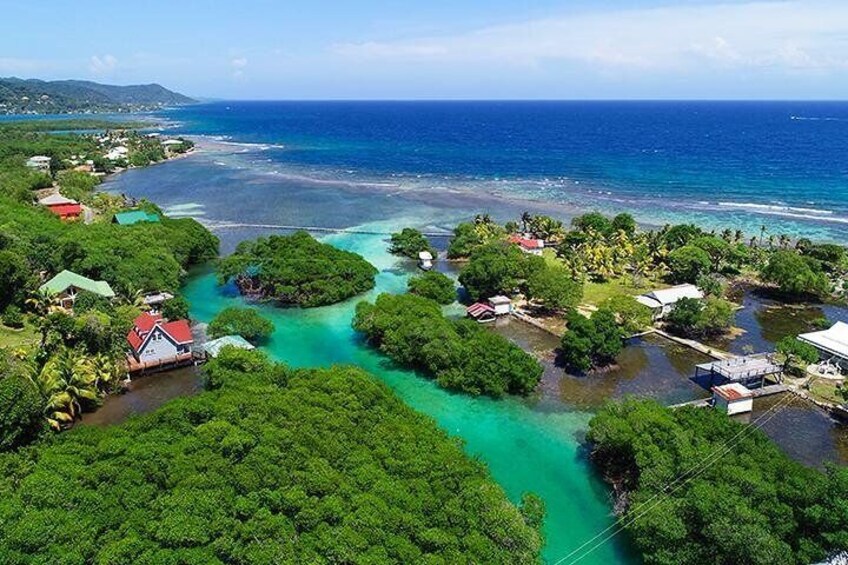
(439, 49)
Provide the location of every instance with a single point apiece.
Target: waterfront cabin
(733, 398)
(661, 301)
(65, 208)
(117, 153)
(40, 163)
(157, 343)
(502, 305)
(66, 286)
(831, 343)
(481, 312)
(425, 260)
(134, 217)
(214, 347)
(527, 244)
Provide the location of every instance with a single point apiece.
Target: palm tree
(526, 218)
(42, 304)
(738, 236)
(107, 373)
(68, 382)
(727, 235)
(763, 230)
(783, 240)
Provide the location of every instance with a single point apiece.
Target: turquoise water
(526, 448)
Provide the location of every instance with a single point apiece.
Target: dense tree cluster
(460, 354)
(497, 268)
(591, 342)
(409, 242)
(246, 322)
(554, 287)
(796, 275)
(796, 355)
(297, 270)
(469, 236)
(433, 285)
(753, 504)
(273, 466)
(696, 318)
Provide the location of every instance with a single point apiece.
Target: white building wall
(158, 347)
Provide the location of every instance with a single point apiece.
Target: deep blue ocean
(737, 165)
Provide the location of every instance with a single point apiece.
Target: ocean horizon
(736, 165)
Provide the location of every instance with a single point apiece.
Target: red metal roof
(179, 330)
(478, 309)
(527, 243)
(134, 340)
(732, 392)
(146, 321)
(65, 210)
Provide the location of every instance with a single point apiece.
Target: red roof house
(528, 245)
(155, 341)
(66, 211)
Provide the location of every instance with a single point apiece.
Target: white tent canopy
(833, 340)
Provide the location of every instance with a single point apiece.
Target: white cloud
(792, 35)
(238, 65)
(102, 65)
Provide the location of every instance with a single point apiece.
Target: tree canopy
(694, 318)
(750, 505)
(461, 355)
(297, 270)
(410, 242)
(591, 342)
(272, 466)
(497, 268)
(246, 322)
(433, 285)
(795, 275)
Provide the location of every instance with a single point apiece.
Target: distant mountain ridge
(33, 96)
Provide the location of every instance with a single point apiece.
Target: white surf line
(229, 225)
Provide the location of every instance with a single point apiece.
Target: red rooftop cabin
(156, 343)
(66, 211)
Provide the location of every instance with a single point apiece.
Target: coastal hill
(32, 96)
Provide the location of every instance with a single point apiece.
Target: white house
(501, 304)
(425, 260)
(119, 152)
(733, 398)
(661, 301)
(39, 163)
(832, 343)
(154, 342)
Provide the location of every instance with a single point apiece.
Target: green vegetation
(469, 236)
(632, 316)
(796, 354)
(73, 359)
(695, 318)
(591, 342)
(497, 268)
(461, 355)
(246, 322)
(297, 270)
(274, 465)
(795, 275)
(554, 287)
(410, 242)
(686, 264)
(433, 285)
(751, 505)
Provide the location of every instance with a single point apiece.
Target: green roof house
(134, 217)
(67, 285)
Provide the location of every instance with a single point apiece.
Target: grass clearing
(14, 338)
(595, 293)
